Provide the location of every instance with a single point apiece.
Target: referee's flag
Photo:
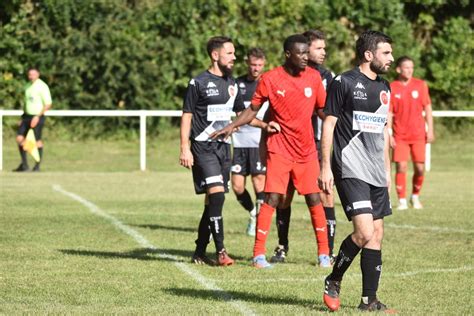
(30, 145)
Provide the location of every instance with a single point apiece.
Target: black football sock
(331, 226)
(347, 253)
(24, 160)
(260, 197)
(216, 223)
(245, 200)
(371, 266)
(283, 216)
(203, 233)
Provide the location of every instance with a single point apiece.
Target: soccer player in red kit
(410, 97)
(294, 92)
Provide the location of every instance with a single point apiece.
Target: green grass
(58, 257)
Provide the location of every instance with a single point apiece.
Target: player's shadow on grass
(137, 254)
(163, 227)
(251, 296)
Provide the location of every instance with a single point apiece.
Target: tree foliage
(140, 54)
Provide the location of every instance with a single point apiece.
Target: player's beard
(377, 67)
(226, 71)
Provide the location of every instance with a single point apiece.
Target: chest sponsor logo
(384, 97)
(308, 92)
(281, 92)
(360, 86)
(368, 122)
(219, 112)
(415, 94)
(398, 96)
(360, 95)
(212, 92)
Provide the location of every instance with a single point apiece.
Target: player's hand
(236, 129)
(186, 158)
(34, 121)
(273, 127)
(389, 179)
(223, 133)
(392, 142)
(326, 180)
(430, 137)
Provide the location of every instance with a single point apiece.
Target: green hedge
(140, 54)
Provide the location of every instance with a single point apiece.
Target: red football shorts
(402, 152)
(280, 170)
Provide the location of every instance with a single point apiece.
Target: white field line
(142, 241)
(354, 276)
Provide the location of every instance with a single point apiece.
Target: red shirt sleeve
(425, 95)
(261, 93)
(320, 96)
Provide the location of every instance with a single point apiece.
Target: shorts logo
(415, 94)
(384, 97)
(259, 165)
(232, 91)
(378, 268)
(236, 168)
(308, 92)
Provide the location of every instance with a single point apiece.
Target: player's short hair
(368, 41)
(401, 60)
(294, 39)
(256, 52)
(313, 35)
(217, 42)
(36, 68)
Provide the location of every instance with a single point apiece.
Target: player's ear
(287, 53)
(368, 55)
(215, 55)
(398, 70)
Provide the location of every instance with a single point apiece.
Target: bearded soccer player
(210, 100)
(356, 111)
(316, 57)
(408, 135)
(294, 91)
(246, 157)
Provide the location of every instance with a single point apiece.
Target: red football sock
(318, 219)
(400, 183)
(264, 220)
(417, 184)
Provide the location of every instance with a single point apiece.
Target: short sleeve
(46, 95)
(261, 93)
(320, 95)
(425, 95)
(239, 105)
(191, 97)
(335, 97)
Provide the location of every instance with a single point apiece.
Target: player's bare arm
(392, 142)
(320, 113)
(386, 153)
(326, 178)
(36, 118)
(430, 137)
(186, 158)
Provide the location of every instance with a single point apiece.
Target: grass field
(91, 234)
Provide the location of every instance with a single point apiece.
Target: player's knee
(273, 199)
(362, 237)
(312, 199)
(237, 188)
(402, 167)
(19, 139)
(285, 201)
(419, 169)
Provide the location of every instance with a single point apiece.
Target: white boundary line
(142, 241)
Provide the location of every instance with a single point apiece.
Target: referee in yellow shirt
(37, 102)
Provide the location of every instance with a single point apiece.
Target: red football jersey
(292, 102)
(407, 105)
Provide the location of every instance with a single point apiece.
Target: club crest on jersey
(308, 92)
(415, 94)
(384, 98)
(232, 91)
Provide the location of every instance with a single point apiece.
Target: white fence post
(143, 141)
